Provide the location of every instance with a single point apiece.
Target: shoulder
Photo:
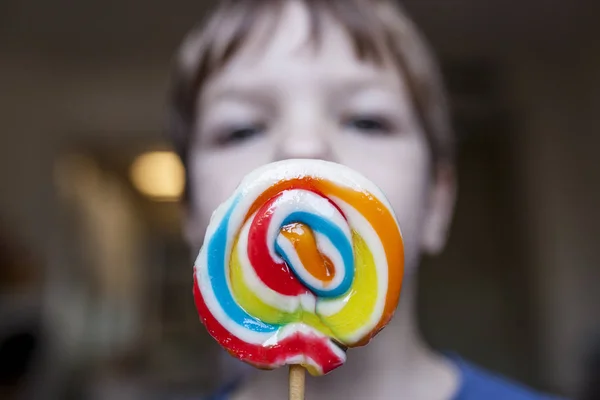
(478, 384)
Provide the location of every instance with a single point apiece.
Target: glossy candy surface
(304, 260)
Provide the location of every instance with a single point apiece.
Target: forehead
(250, 26)
(295, 41)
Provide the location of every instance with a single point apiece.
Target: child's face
(282, 98)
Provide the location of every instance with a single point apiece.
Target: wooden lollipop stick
(297, 374)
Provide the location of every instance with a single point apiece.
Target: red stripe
(311, 346)
(276, 275)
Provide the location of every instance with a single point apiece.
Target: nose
(309, 146)
(305, 139)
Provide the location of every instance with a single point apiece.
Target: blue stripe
(216, 272)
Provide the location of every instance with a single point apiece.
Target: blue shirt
(476, 384)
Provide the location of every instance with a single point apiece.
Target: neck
(397, 361)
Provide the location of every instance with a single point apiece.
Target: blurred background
(95, 281)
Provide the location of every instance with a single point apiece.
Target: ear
(442, 198)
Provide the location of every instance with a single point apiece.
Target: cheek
(216, 174)
(401, 169)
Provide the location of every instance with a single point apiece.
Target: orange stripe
(306, 183)
(303, 240)
(384, 224)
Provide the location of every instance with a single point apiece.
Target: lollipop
(303, 261)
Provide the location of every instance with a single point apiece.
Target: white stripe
(215, 309)
(300, 328)
(263, 177)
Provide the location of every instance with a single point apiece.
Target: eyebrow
(255, 94)
(349, 87)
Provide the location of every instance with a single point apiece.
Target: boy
(348, 81)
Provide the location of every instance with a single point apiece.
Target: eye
(371, 125)
(238, 134)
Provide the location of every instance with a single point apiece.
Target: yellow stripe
(254, 306)
(362, 296)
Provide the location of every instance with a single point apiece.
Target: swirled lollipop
(304, 260)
